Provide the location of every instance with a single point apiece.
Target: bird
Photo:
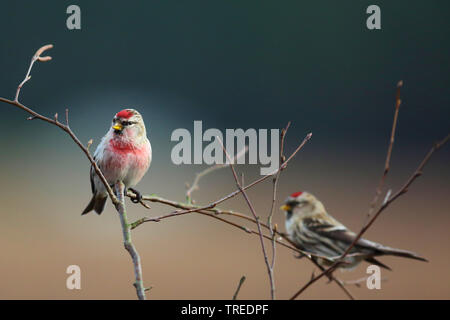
(124, 154)
(317, 233)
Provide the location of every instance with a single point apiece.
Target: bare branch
(36, 57)
(274, 195)
(66, 128)
(389, 151)
(258, 224)
(198, 176)
(35, 115)
(126, 231)
(314, 279)
(241, 282)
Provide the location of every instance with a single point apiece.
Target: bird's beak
(285, 207)
(117, 126)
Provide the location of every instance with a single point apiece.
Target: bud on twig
(89, 144)
(41, 50)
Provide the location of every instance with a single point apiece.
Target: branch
(212, 212)
(258, 224)
(314, 279)
(398, 102)
(241, 282)
(54, 121)
(36, 57)
(126, 231)
(274, 195)
(207, 171)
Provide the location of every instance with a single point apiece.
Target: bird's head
(128, 125)
(301, 204)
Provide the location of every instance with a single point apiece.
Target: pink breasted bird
(124, 154)
(313, 230)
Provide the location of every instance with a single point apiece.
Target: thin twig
(272, 208)
(314, 279)
(379, 189)
(258, 224)
(241, 282)
(198, 176)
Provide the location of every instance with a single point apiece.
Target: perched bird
(314, 231)
(124, 154)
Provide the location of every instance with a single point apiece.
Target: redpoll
(314, 231)
(124, 154)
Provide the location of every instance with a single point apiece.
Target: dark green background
(238, 64)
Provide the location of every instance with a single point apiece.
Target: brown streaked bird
(314, 231)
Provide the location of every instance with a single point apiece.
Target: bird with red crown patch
(124, 154)
(316, 232)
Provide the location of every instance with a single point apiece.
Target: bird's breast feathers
(125, 161)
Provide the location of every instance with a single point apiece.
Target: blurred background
(230, 64)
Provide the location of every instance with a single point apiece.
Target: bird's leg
(138, 196)
(112, 186)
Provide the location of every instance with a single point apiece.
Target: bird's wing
(91, 175)
(343, 238)
(310, 235)
(334, 234)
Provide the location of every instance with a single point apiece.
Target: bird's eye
(292, 203)
(126, 123)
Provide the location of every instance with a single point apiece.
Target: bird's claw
(138, 196)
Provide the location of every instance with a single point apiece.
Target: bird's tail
(401, 253)
(97, 204)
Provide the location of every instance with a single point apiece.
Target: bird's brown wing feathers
(309, 235)
(344, 237)
(91, 175)
(333, 238)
